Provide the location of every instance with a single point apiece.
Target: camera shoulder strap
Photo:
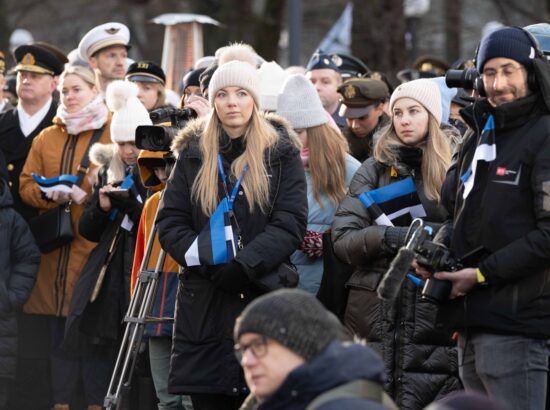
(85, 161)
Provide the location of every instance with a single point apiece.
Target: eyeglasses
(258, 348)
(507, 71)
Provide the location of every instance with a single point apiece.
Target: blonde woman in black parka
(420, 361)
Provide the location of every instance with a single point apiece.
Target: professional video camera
(469, 79)
(159, 137)
(432, 256)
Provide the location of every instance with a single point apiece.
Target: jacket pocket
(365, 280)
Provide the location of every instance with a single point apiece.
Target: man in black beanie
(192, 96)
(294, 355)
(499, 189)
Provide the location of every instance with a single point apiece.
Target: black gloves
(230, 278)
(395, 237)
(130, 206)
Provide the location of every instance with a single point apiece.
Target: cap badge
(376, 76)
(326, 61)
(2, 66)
(28, 59)
(337, 60)
(143, 66)
(112, 30)
(349, 91)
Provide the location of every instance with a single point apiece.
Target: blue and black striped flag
(394, 204)
(216, 243)
(62, 183)
(486, 151)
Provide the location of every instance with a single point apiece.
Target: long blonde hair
(259, 137)
(436, 155)
(327, 162)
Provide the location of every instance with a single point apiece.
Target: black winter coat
(339, 364)
(19, 261)
(507, 215)
(203, 360)
(100, 321)
(420, 361)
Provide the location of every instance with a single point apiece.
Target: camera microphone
(391, 282)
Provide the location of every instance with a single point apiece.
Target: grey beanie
(292, 317)
(300, 104)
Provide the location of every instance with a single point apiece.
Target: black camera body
(436, 258)
(468, 79)
(159, 137)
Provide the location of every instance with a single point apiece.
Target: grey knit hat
(300, 104)
(425, 91)
(292, 317)
(235, 74)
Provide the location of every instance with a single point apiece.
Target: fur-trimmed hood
(106, 156)
(189, 136)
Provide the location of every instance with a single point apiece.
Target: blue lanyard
(230, 199)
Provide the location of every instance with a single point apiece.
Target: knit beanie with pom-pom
(128, 111)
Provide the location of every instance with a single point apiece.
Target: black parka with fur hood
(203, 360)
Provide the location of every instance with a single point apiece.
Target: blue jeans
(159, 357)
(512, 369)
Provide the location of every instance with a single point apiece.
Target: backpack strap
(361, 389)
(85, 161)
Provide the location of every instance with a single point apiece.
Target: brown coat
(54, 150)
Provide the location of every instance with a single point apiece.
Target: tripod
(137, 317)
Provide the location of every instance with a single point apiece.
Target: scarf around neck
(90, 117)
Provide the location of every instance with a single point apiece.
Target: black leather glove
(395, 237)
(230, 278)
(130, 206)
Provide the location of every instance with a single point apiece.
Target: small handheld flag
(397, 203)
(62, 183)
(216, 243)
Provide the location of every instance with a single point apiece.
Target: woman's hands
(104, 200)
(58, 197)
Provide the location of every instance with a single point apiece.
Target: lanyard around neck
(230, 199)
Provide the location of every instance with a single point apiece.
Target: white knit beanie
(235, 74)
(272, 78)
(300, 104)
(425, 91)
(128, 111)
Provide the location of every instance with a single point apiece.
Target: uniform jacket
(420, 361)
(54, 153)
(202, 356)
(507, 216)
(339, 364)
(101, 320)
(319, 219)
(16, 147)
(19, 259)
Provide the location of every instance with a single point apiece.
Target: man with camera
(499, 193)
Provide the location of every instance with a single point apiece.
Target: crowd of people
(323, 173)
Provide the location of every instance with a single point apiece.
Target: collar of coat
(188, 138)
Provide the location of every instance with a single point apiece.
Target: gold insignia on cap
(112, 30)
(2, 66)
(11, 167)
(28, 59)
(336, 59)
(144, 66)
(376, 76)
(326, 61)
(349, 91)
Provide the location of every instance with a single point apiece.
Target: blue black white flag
(394, 204)
(486, 151)
(216, 243)
(62, 183)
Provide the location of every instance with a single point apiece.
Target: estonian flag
(62, 183)
(486, 151)
(397, 203)
(215, 244)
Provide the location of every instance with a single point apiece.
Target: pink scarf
(91, 117)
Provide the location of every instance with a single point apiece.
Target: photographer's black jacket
(507, 214)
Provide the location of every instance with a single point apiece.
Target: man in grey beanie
(499, 189)
(295, 356)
